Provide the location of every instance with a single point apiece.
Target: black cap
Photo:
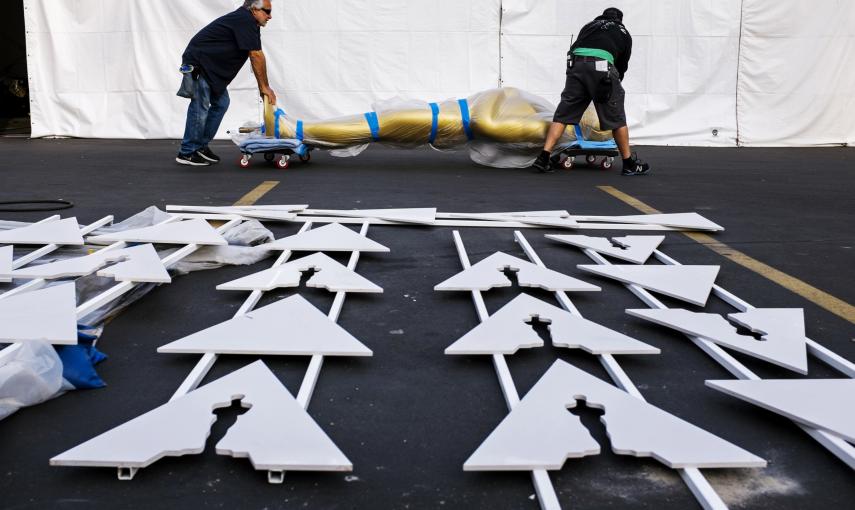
(613, 13)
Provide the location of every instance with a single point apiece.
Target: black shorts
(581, 88)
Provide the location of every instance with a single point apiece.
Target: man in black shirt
(211, 61)
(596, 64)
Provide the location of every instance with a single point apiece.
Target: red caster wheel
(282, 162)
(244, 161)
(606, 163)
(305, 158)
(590, 159)
(567, 163)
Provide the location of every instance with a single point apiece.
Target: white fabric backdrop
(772, 72)
(109, 68)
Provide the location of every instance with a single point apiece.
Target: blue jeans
(204, 116)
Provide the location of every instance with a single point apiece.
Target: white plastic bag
(32, 375)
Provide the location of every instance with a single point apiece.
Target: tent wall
(703, 72)
(109, 68)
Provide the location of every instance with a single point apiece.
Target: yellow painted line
(819, 297)
(259, 191)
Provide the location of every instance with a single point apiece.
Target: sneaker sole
(190, 163)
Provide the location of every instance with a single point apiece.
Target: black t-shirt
(221, 48)
(610, 35)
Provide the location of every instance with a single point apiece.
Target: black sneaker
(193, 160)
(206, 153)
(635, 166)
(543, 164)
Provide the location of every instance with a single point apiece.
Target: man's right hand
(268, 92)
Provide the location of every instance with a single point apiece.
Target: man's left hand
(268, 92)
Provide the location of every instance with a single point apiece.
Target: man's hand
(269, 94)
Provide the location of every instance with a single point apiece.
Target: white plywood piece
(782, 330)
(423, 215)
(64, 231)
(332, 237)
(282, 207)
(275, 434)
(827, 404)
(506, 216)
(290, 327)
(330, 275)
(6, 263)
(247, 212)
(539, 433)
(688, 283)
(47, 315)
(136, 264)
(142, 265)
(195, 231)
(487, 274)
(688, 221)
(635, 249)
(506, 331)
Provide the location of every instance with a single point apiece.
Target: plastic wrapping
(31, 376)
(503, 127)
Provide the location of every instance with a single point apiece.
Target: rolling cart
(606, 150)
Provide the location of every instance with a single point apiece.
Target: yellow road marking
(819, 297)
(259, 191)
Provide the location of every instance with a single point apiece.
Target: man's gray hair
(253, 4)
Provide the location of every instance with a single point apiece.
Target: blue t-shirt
(220, 49)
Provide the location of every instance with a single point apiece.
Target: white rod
(546, 495)
(307, 387)
(825, 354)
(476, 223)
(696, 482)
(208, 359)
(740, 371)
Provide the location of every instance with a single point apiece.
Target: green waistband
(594, 52)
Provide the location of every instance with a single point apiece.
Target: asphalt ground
(409, 416)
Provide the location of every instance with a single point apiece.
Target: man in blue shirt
(596, 64)
(211, 61)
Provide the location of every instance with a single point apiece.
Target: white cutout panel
(688, 221)
(194, 231)
(827, 404)
(506, 331)
(292, 326)
(540, 433)
(636, 249)
(135, 264)
(330, 275)
(45, 315)
(487, 274)
(509, 216)
(414, 215)
(783, 343)
(64, 231)
(331, 237)
(689, 283)
(6, 263)
(275, 434)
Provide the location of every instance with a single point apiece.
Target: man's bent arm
(259, 68)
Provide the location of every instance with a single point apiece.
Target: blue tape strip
(464, 114)
(373, 125)
(299, 134)
(578, 131)
(434, 121)
(278, 113)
